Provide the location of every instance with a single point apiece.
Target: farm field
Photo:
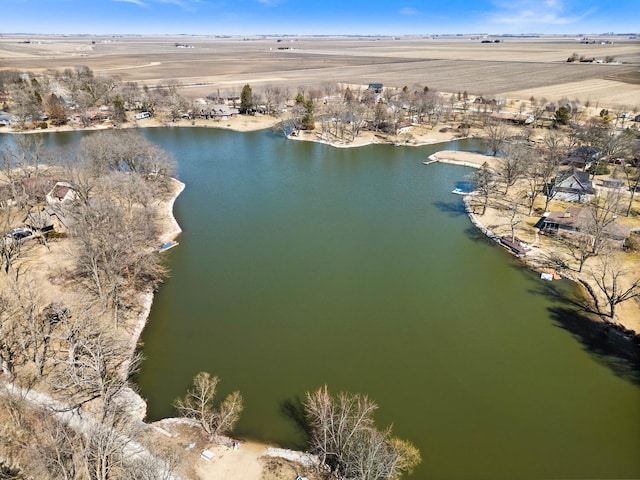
(515, 68)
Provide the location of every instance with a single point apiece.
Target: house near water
(571, 185)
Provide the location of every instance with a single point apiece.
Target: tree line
(339, 112)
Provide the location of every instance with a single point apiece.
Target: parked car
(20, 233)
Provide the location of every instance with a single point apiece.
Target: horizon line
(458, 34)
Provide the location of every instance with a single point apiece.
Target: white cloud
(140, 3)
(533, 13)
(410, 11)
(185, 4)
(270, 3)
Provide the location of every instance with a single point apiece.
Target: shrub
(599, 169)
(633, 243)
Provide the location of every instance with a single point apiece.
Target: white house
(62, 192)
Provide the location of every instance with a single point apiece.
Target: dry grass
(515, 68)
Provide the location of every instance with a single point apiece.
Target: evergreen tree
(308, 122)
(119, 112)
(562, 116)
(246, 99)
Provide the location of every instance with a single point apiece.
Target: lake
(301, 265)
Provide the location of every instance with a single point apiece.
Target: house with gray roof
(572, 185)
(583, 157)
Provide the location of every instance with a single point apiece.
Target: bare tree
(579, 247)
(57, 449)
(104, 448)
(270, 92)
(515, 218)
(535, 180)
(198, 404)
(357, 123)
(160, 466)
(115, 254)
(430, 105)
(603, 211)
(27, 103)
(9, 339)
(380, 115)
(513, 164)
(126, 150)
(344, 435)
(22, 162)
(329, 89)
(11, 250)
(92, 364)
(131, 94)
(484, 184)
(614, 283)
(632, 173)
(594, 231)
(395, 113)
(550, 156)
(26, 322)
(497, 133)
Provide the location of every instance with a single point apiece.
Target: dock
(167, 246)
(431, 159)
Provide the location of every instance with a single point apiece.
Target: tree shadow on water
(453, 209)
(557, 292)
(293, 410)
(609, 346)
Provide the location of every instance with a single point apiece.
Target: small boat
(167, 246)
(459, 191)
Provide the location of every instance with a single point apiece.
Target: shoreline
(146, 298)
(238, 124)
(418, 136)
(476, 160)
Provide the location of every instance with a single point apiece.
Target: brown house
(576, 219)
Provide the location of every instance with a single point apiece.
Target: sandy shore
(417, 135)
(241, 123)
(242, 463)
(464, 159)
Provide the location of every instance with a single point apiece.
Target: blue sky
(356, 17)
